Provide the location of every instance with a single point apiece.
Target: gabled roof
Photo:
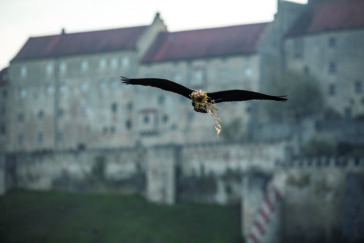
(329, 16)
(205, 43)
(80, 43)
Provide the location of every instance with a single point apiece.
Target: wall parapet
(322, 162)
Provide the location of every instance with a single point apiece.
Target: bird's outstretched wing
(241, 95)
(164, 84)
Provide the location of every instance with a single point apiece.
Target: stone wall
(2, 174)
(202, 172)
(316, 198)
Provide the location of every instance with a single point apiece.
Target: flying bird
(201, 101)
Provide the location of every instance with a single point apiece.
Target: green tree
(233, 131)
(304, 97)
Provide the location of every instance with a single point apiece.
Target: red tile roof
(330, 16)
(204, 43)
(80, 43)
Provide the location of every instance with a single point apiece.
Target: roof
(90, 42)
(329, 16)
(205, 43)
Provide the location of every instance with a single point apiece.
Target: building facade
(326, 41)
(4, 86)
(65, 93)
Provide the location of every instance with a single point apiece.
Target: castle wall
(334, 58)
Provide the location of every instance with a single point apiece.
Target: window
(114, 107)
(306, 70)
(102, 85)
(248, 71)
(49, 68)
(115, 83)
(332, 42)
(63, 88)
(104, 130)
(224, 73)
(60, 113)
(190, 116)
(125, 62)
(21, 117)
(23, 71)
(84, 66)
(128, 124)
(84, 86)
(298, 48)
(332, 68)
(59, 136)
(62, 67)
(348, 112)
(112, 129)
(146, 119)
(40, 138)
(358, 87)
(2, 129)
(102, 63)
(21, 139)
(84, 110)
(5, 93)
(165, 118)
(23, 93)
(40, 114)
(161, 100)
(50, 90)
(177, 77)
(332, 90)
(130, 106)
(114, 62)
(198, 75)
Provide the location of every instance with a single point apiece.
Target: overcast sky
(20, 19)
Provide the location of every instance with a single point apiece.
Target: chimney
(63, 31)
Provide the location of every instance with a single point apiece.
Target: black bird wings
(241, 95)
(164, 84)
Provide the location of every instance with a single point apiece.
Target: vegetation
(318, 146)
(233, 131)
(299, 181)
(304, 97)
(28, 216)
(98, 168)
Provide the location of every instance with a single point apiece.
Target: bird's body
(201, 101)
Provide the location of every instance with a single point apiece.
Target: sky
(21, 19)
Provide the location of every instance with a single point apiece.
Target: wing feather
(241, 95)
(164, 84)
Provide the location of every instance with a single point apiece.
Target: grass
(33, 216)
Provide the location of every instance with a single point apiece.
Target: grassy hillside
(28, 216)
